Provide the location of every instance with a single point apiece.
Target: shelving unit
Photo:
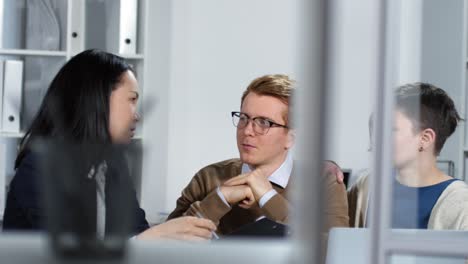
(75, 25)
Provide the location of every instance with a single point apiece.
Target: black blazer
(25, 208)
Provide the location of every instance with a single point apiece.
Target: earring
(420, 149)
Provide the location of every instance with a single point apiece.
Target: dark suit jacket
(25, 208)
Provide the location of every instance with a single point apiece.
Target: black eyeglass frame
(270, 122)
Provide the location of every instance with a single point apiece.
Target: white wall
(443, 63)
(216, 48)
(353, 72)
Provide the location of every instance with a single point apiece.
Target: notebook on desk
(262, 228)
(351, 245)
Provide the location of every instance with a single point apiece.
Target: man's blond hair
(279, 86)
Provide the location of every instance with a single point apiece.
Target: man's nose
(249, 129)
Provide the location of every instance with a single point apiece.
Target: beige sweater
(449, 212)
(200, 196)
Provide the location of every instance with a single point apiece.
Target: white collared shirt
(280, 177)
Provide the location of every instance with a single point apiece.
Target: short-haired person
(424, 197)
(91, 101)
(239, 191)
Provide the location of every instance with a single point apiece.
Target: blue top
(412, 206)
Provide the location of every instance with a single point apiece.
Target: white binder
(122, 26)
(12, 95)
(1, 92)
(112, 25)
(3, 176)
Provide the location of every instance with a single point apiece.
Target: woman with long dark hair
(92, 101)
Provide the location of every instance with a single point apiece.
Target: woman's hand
(182, 228)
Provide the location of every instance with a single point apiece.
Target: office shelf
(132, 56)
(11, 135)
(24, 52)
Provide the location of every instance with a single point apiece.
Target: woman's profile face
(406, 141)
(123, 114)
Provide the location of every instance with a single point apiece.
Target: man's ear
(428, 138)
(291, 138)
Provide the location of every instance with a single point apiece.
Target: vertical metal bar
(463, 110)
(158, 18)
(2, 16)
(381, 183)
(309, 117)
(383, 241)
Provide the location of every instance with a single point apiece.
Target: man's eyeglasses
(260, 125)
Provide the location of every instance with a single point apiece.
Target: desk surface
(351, 245)
(34, 248)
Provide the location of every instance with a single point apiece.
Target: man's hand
(238, 193)
(256, 180)
(330, 167)
(182, 228)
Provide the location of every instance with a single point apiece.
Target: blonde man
(236, 192)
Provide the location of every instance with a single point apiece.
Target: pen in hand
(215, 236)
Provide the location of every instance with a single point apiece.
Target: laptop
(351, 245)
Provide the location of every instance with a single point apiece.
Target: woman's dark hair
(428, 106)
(76, 105)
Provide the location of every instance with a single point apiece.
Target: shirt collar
(281, 175)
